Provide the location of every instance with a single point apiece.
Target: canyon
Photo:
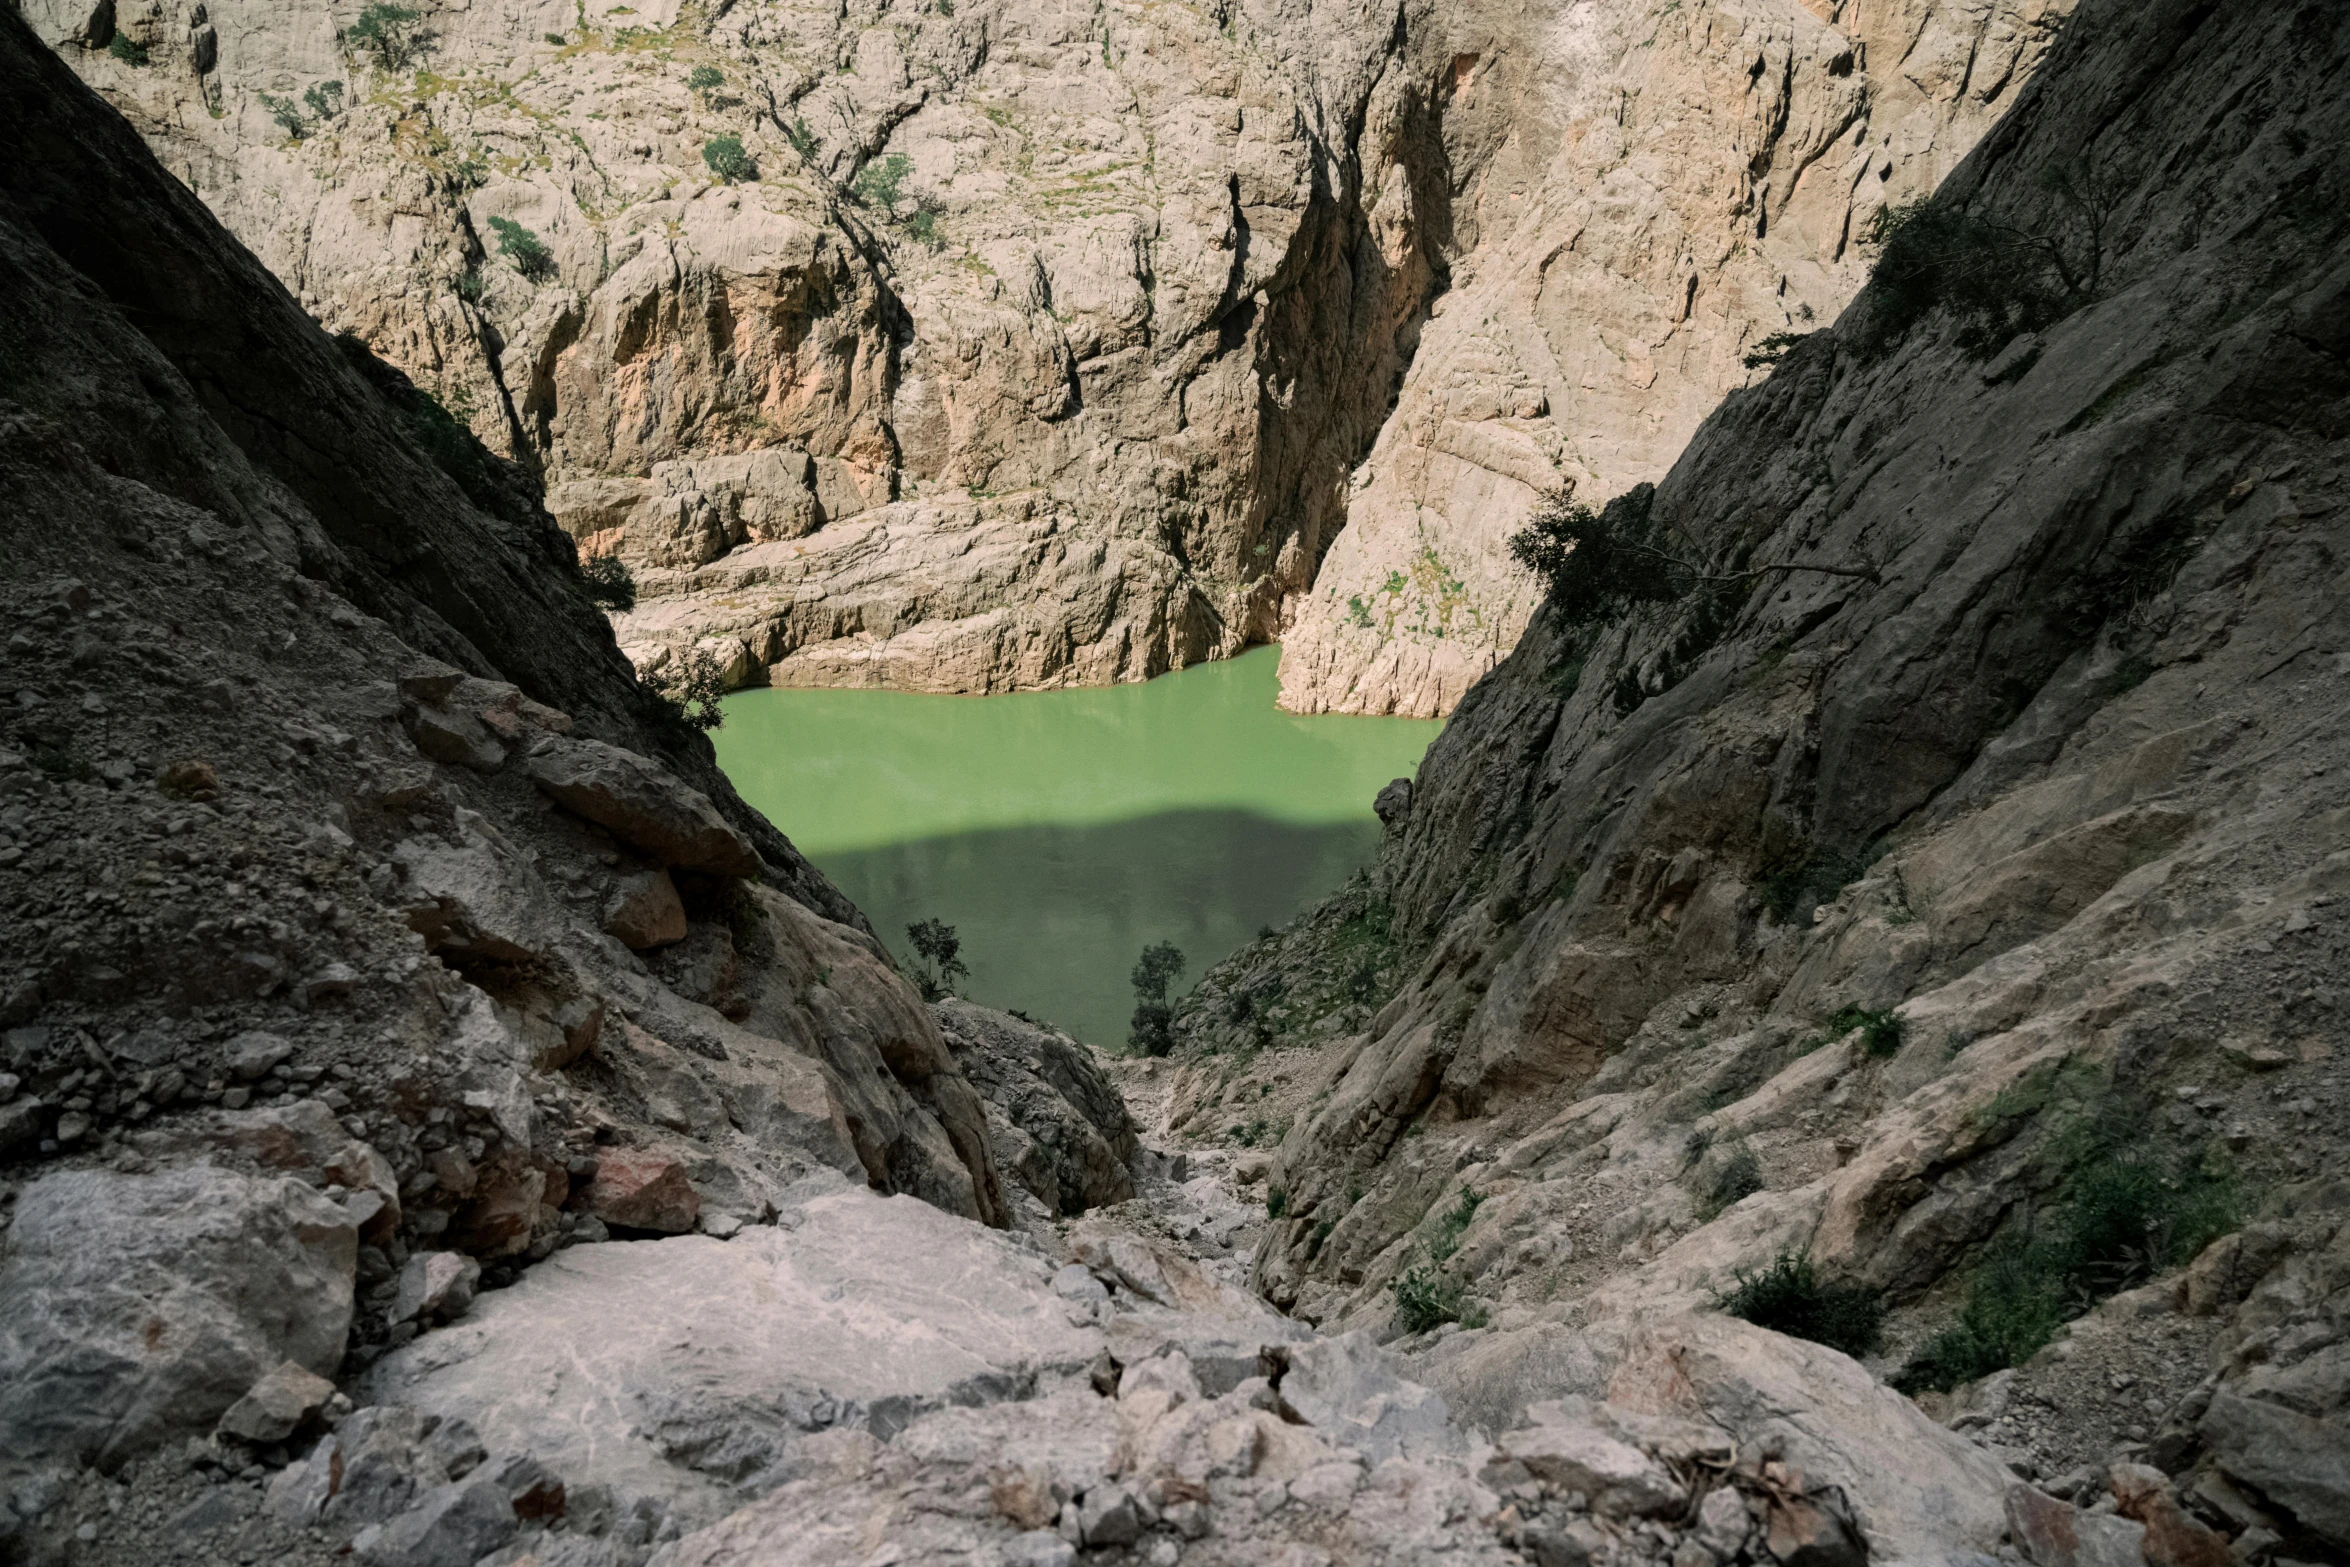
(441, 1122)
(1031, 345)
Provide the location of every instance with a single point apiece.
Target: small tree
(691, 688)
(324, 98)
(802, 139)
(941, 951)
(705, 80)
(286, 113)
(610, 584)
(524, 249)
(1601, 564)
(1152, 1030)
(389, 32)
(877, 184)
(727, 160)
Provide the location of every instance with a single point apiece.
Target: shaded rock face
(320, 782)
(1674, 191)
(2053, 791)
(1059, 1127)
(1051, 345)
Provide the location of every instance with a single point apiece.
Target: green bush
(1792, 889)
(1598, 564)
(610, 584)
(727, 160)
(2123, 1216)
(941, 951)
(1771, 349)
(1790, 1297)
(126, 49)
(1151, 1031)
(287, 114)
(802, 139)
(689, 690)
(877, 184)
(1447, 1240)
(1425, 1299)
(1734, 1177)
(389, 32)
(524, 249)
(1880, 1032)
(452, 446)
(705, 79)
(324, 98)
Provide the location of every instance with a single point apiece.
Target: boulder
(1058, 1126)
(645, 912)
(642, 1189)
(453, 1525)
(679, 1370)
(304, 1139)
(2300, 1464)
(640, 803)
(1347, 1389)
(1621, 1480)
(2058, 1534)
(136, 1309)
(435, 1284)
(277, 1406)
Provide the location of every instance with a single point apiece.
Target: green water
(1062, 831)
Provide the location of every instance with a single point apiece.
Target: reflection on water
(1062, 831)
(1052, 917)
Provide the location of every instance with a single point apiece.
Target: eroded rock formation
(1018, 345)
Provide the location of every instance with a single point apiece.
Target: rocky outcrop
(1677, 188)
(1059, 1127)
(321, 784)
(1846, 917)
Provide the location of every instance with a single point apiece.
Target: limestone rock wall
(1670, 188)
(1093, 318)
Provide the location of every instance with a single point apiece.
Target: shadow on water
(1052, 917)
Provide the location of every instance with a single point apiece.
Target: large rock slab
(685, 1370)
(136, 1309)
(1058, 1126)
(640, 803)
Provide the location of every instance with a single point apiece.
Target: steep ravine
(1895, 923)
(440, 1125)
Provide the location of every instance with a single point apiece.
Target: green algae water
(1061, 832)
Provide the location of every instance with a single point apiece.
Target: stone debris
(274, 1408)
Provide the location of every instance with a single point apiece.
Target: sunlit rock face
(1024, 345)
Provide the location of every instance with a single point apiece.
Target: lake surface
(1061, 832)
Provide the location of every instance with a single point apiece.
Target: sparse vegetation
(877, 183)
(127, 49)
(1727, 1180)
(1796, 886)
(1427, 1299)
(1152, 1031)
(324, 98)
(690, 688)
(1880, 1032)
(1601, 564)
(287, 113)
(527, 253)
(728, 160)
(1446, 1241)
(802, 139)
(2124, 1215)
(940, 948)
(1276, 1203)
(1995, 277)
(390, 33)
(705, 80)
(610, 584)
(1790, 1297)
(1770, 350)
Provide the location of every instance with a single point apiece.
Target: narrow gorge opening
(1060, 832)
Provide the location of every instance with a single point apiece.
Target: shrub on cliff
(728, 160)
(940, 948)
(688, 690)
(528, 253)
(608, 581)
(1790, 1297)
(389, 32)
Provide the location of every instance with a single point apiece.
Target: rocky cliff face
(1669, 188)
(366, 925)
(1027, 346)
(1874, 920)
